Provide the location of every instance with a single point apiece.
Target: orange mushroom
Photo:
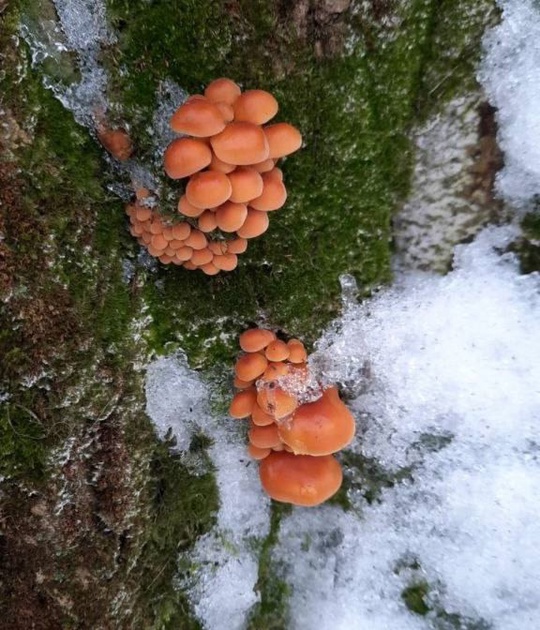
(116, 141)
(186, 156)
(297, 352)
(260, 417)
(210, 269)
(264, 166)
(199, 118)
(246, 184)
(275, 370)
(240, 384)
(276, 402)
(222, 90)
(226, 111)
(300, 479)
(241, 143)
(196, 240)
(255, 106)
(231, 216)
(277, 351)
(208, 189)
(237, 246)
(273, 196)
(256, 339)
(202, 257)
(187, 209)
(243, 403)
(184, 254)
(207, 221)
(218, 165)
(181, 231)
(256, 223)
(319, 428)
(264, 437)
(283, 139)
(258, 453)
(250, 366)
(226, 262)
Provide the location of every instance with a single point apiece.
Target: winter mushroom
(231, 216)
(250, 366)
(283, 139)
(240, 143)
(276, 402)
(222, 90)
(319, 428)
(186, 156)
(208, 189)
(255, 106)
(242, 403)
(264, 436)
(256, 339)
(199, 118)
(256, 223)
(300, 479)
(246, 184)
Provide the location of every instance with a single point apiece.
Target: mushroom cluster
(230, 160)
(295, 425)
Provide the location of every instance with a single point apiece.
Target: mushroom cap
(319, 428)
(222, 90)
(255, 106)
(202, 257)
(300, 479)
(250, 366)
(246, 184)
(258, 453)
(181, 231)
(277, 350)
(276, 402)
(231, 216)
(240, 143)
(159, 241)
(256, 339)
(196, 240)
(218, 165)
(264, 166)
(185, 156)
(210, 269)
(274, 370)
(297, 352)
(207, 221)
(187, 209)
(226, 262)
(283, 139)
(256, 223)
(264, 437)
(240, 384)
(142, 213)
(184, 254)
(208, 189)
(243, 403)
(198, 117)
(260, 417)
(117, 142)
(237, 246)
(273, 196)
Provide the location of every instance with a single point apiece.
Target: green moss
(415, 598)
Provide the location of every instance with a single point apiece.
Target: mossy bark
(95, 508)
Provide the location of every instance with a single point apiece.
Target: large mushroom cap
(319, 428)
(186, 156)
(222, 90)
(283, 139)
(199, 118)
(208, 189)
(241, 143)
(300, 479)
(255, 106)
(250, 366)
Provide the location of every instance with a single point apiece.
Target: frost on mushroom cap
(186, 156)
(199, 118)
(300, 479)
(319, 428)
(255, 106)
(241, 143)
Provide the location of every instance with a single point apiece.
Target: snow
(510, 74)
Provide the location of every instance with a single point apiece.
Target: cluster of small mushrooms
(230, 160)
(296, 426)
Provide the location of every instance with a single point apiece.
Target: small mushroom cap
(300, 479)
(256, 339)
(264, 166)
(202, 257)
(255, 106)
(243, 403)
(159, 241)
(184, 254)
(218, 165)
(256, 223)
(276, 402)
(258, 453)
(226, 262)
(273, 196)
(199, 118)
(250, 366)
(283, 139)
(186, 156)
(187, 209)
(208, 189)
(237, 246)
(210, 269)
(297, 352)
(260, 417)
(154, 251)
(264, 437)
(240, 384)
(319, 428)
(275, 370)
(277, 351)
(207, 221)
(143, 214)
(222, 90)
(246, 184)
(196, 240)
(231, 216)
(241, 143)
(117, 142)
(189, 265)
(181, 231)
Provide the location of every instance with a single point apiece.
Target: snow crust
(510, 73)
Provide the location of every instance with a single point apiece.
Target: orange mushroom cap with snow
(319, 428)
(300, 479)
